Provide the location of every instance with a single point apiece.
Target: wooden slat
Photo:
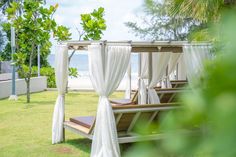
(156, 136)
(160, 97)
(134, 110)
(125, 121)
(134, 99)
(152, 117)
(118, 118)
(171, 98)
(139, 138)
(133, 121)
(146, 106)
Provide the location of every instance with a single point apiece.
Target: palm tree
(202, 10)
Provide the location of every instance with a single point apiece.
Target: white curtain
(142, 97)
(159, 64)
(181, 73)
(128, 83)
(107, 67)
(194, 57)
(61, 72)
(171, 67)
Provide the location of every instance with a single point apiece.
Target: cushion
(86, 121)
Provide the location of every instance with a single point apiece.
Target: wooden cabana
(117, 54)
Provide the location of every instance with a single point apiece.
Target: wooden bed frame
(127, 117)
(178, 83)
(166, 95)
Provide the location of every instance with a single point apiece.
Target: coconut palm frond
(201, 10)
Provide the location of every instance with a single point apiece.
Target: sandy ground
(84, 83)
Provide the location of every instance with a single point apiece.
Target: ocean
(80, 61)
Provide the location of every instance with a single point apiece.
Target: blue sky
(117, 12)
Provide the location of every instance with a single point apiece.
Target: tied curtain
(171, 67)
(142, 96)
(128, 82)
(61, 72)
(181, 73)
(107, 67)
(159, 64)
(194, 58)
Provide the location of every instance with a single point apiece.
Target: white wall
(6, 67)
(38, 84)
(7, 76)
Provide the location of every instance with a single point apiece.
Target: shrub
(50, 73)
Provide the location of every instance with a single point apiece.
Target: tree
(93, 25)
(33, 28)
(6, 53)
(158, 24)
(208, 12)
(202, 10)
(2, 37)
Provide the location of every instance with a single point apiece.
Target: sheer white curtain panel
(61, 72)
(107, 67)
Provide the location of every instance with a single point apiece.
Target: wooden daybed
(166, 95)
(127, 117)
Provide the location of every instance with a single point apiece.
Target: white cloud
(116, 13)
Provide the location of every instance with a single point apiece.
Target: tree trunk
(29, 75)
(69, 59)
(28, 89)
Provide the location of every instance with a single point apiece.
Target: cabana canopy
(108, 62)
(137, 46)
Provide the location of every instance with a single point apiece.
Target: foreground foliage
(209, 110)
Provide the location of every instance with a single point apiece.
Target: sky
(117, 12)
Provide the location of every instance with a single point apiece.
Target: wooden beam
(138, 49)
(133, 121)
(155, 49)
(138, 46)
(118, 118)
(151, 118)
(172, 97)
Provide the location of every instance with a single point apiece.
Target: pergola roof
(137, 46)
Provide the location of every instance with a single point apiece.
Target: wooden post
(63, 131)
(129, 77)
(139, 74)
(177, 71)
(166, 76)
(149, 71)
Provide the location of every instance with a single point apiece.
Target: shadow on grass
(85, 145)
(81, 143)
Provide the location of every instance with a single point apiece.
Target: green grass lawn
(25, 129)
